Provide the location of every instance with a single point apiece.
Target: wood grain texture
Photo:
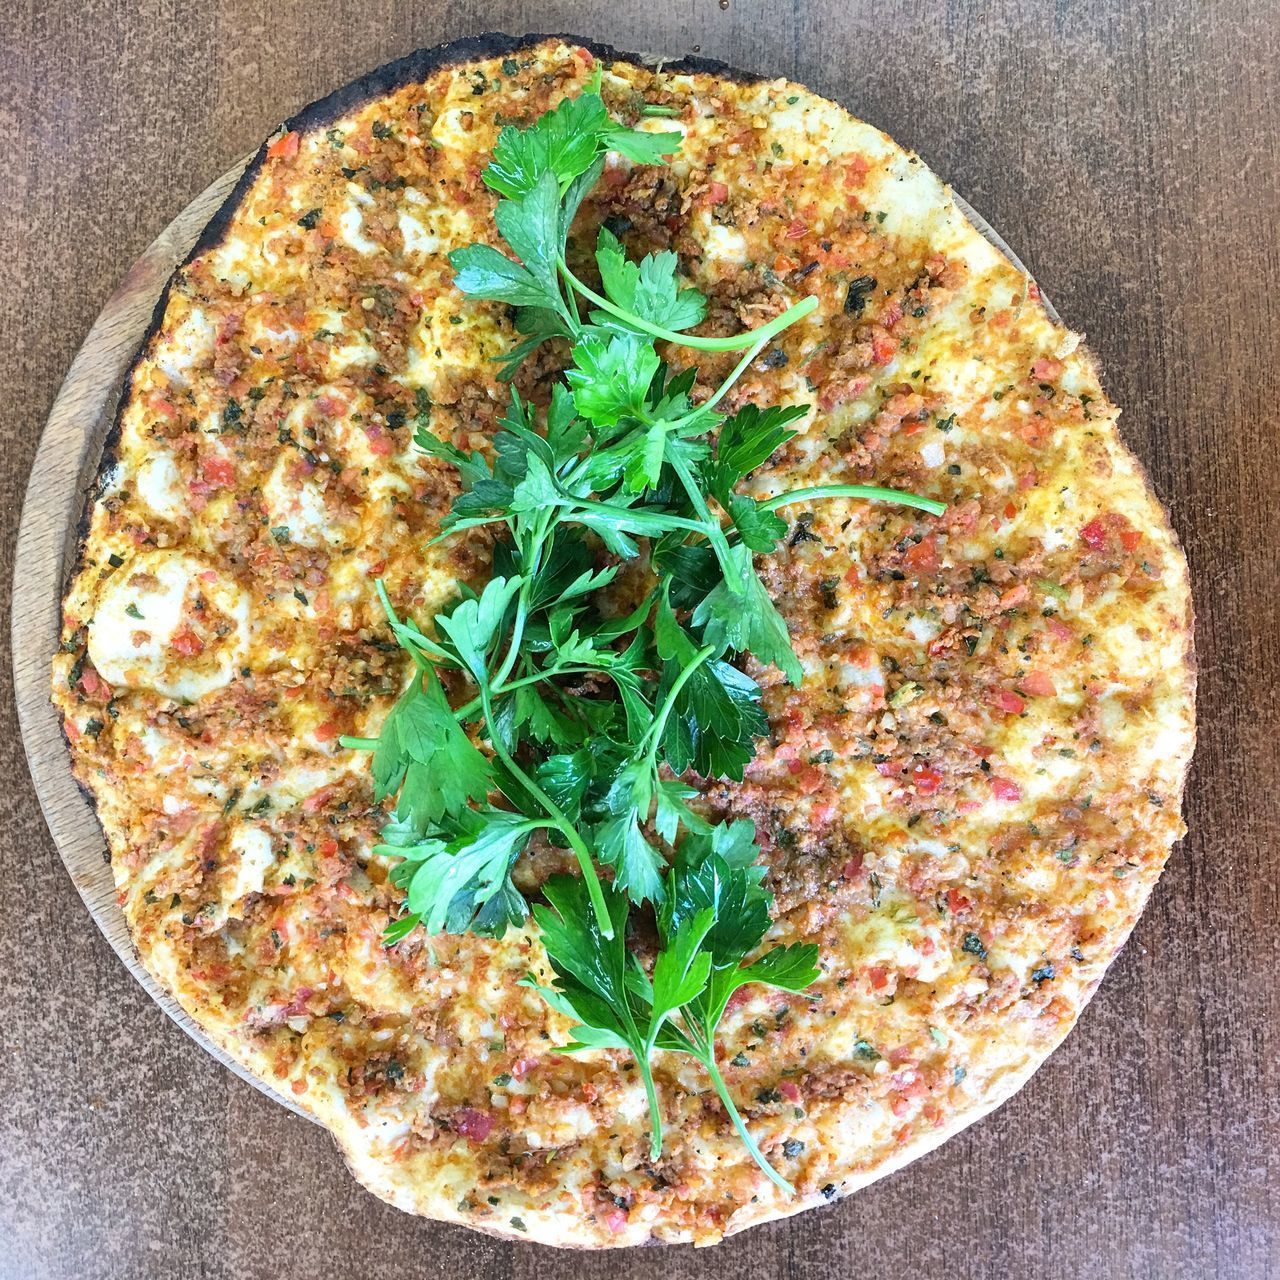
(1129, 152)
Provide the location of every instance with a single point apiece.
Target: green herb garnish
(579, 715)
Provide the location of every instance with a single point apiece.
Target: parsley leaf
(450, 883)
(424, 750)
(648, 287)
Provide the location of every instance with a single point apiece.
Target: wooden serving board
(65, 467)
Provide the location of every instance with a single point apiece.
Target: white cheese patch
(351, 225)
(896, 937)
(143, 607)
(160, 486)
(724, 244)
(190, 344)
(298, 505)
(253, 856)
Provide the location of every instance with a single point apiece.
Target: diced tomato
(380, 443)
(957, 902)
(797, 229)
(878, 976)
(922, 557)
(285, 147)
(1047, 369)
(1038, 684)
(1017, 594)
(855, 172)
(1007, 701)
(94, 685)
(187, 643)
(926, 779)
(1005, 789)
(522, 1066)
(717, 193)
(472, 1124)
(1129, 538)
(1095, 533)
(327, 731)
(218, 470)
(900, 1106)
(883, 348)
(1059, 629)
(853, 868)
(789, 1091)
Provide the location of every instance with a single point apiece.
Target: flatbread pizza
(955, 796)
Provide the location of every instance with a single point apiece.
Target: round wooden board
(65, 467)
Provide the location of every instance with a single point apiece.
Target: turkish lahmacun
(965, 806)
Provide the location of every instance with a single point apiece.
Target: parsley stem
(708, 1059)
(529, 567)
(655, 1116)
(643, 523)
(654, 733)
(714, 533)
(358, 744)
(554, 811)
(734, 343)
(871, 491)
(739, 369)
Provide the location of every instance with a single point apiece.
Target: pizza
(963, 804)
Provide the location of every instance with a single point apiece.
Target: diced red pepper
(327, 731)
(284, 147)
(1038, 684)
(1005, 789)
(878, 976)
(926, 779)
(218, 470)
(187, 643)
(957, 902)
(1007, 701)
(472, 1124)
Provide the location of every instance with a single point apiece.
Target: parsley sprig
(554, 706)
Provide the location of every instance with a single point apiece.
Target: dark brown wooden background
(1128, 151)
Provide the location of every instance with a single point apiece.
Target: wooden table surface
(1128, 151)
